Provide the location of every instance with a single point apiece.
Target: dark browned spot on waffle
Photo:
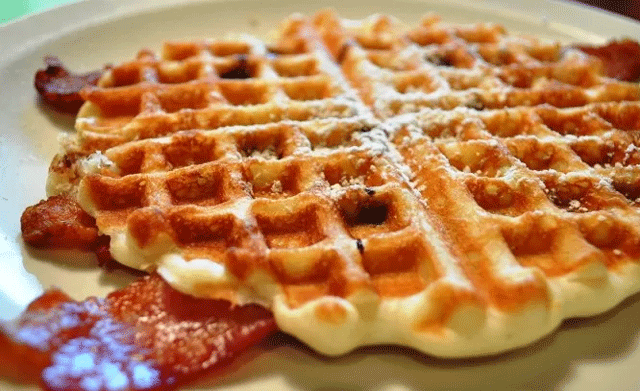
(438, 59)
(365, 215)
(241, 69)
(630, 188)
(373, 214)
(476, 103)
(576, 197)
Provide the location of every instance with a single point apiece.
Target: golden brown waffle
(530, 190)
(457, 231)
(210, 84)
(400, 69)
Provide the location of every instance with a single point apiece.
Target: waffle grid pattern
(371, 183)
(438, 65)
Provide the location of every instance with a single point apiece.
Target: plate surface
(598, 353)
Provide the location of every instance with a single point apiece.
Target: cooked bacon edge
(58, 222)
(621, 59)
(146, 336)
(60, 88)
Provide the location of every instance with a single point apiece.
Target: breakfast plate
(601, 352)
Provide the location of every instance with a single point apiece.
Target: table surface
(11, 10)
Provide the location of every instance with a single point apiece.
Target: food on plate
(451, 188)
(146, 336)
(58, 222)
(621, 59)
(60, 88)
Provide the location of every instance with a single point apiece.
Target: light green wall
(13, 9)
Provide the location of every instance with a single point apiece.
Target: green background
(14, 9)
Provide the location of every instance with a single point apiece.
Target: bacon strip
(146, 336)
(621, 59)
(58, 222)
(60, 88)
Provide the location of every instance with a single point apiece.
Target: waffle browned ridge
(481, 66)
(452, 188)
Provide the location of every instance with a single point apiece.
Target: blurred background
(629, 8)
(13, 9)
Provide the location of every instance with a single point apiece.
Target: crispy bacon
(621, 59)
(60, 88)
(146, 336)
(101, 249)
(58, 222)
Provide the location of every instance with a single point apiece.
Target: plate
(596, 353)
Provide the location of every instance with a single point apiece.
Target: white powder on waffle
(276, 187)
(267, 153)
(450, 316)
(95, 163)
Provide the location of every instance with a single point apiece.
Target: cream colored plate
(599, 353)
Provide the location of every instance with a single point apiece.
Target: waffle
(369, 183)
(400, 69)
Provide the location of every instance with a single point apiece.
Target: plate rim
(48, 20)
(44, 24)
